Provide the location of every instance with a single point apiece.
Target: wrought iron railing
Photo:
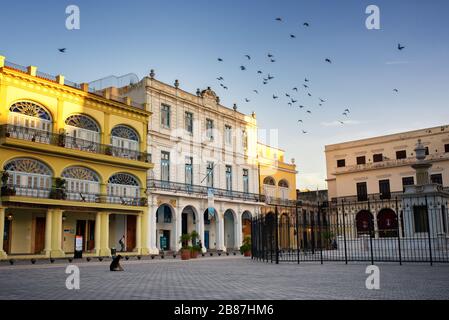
(161, 185)
(69, 195)
(15, 66)
(65, 141)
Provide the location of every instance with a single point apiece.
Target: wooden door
(81, 231)
(7, 236)
(39, 235)
(91, 235)
(130, 232)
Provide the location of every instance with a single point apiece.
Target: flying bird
(290, 104)
(247, 100)
(275, 97)
(341, 122)
(296, 89)
(308, 111)
(300, 121)
(287, 95)
(301, 106)
(309, 94)
(249, 58)
(259, 72)
(62, 50)
(400, 47)
(270, 55)
(272, 60)
(278, 19)
(305, 24)
(320, 104)
(270, 77)
(395, 90)
(265, 82)
(220, 78)
(220, 59)
(346, 110)
(322, 100)
(256, 91)
(242, 68)
(328, 60)
(292, 36)
(345, 114)
(294, 101)
(304, 131)
(305, 86)
(306, 80)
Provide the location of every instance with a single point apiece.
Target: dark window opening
(436, 178)
(384, 189)
(362, 191)
(341, 163)
(420, 219)
(378, 157)
(361, 160)
(446, 147)
(402, 154)
(407, 181)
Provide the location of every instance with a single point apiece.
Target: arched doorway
(269, 229)
(229, 226)
(246, 224)
(364, 223)
(387, 223)
(210, 216)
(82, 133)
(284, 232)
(125, 142)
(189, 220)
(165, 235)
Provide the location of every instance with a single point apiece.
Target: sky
(182, 40)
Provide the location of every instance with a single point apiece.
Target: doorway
(81, 231)
(206, 239)
(39, 235)
(164, 240)
(130, 232)
(7, 237)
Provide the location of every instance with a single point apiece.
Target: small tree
(246, 247)
(184, 240)
(195, 245)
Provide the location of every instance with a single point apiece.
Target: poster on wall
(78, 247)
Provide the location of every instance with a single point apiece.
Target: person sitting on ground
(115, 264)
(122, 243)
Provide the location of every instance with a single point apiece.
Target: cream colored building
(382, 165)
(198, 145)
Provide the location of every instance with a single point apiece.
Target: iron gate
(374, 230)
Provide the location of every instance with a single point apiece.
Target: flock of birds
(291, 101)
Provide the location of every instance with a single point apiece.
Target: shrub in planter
(108, 151)
(245, 249)
(5, 189)
(186, 249)
(58, 191)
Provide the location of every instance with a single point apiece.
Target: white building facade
(205, 175)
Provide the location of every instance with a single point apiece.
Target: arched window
(387, 223)
(83, 133)
(26, 115)
(269, 181)
(82, 183)
(364, 223)
(29, 177)
(124, 138)
(283, 189)
(123, 188)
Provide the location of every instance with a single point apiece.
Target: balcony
(64, 141)
(389, 163)
(12, 190)
(176, 187)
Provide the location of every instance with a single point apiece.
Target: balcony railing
(161, 185)
(68, 195)
(62, 140)
(387, 163)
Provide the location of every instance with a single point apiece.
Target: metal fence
(381, 230)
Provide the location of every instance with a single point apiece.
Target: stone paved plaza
(232, 277)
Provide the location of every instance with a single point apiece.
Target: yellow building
(73, 163)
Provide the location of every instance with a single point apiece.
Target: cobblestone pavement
(221, 278)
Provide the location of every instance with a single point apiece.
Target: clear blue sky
(182, 40)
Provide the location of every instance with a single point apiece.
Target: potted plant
(196, 247)
(58, 191)
(186, 249)
(245, 249)
(108, 151)
(5, 189)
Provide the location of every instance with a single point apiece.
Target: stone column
(220, 232)
(178, 230)
(2, 230)
(200, 225)
(238, 231)
(48, 232)
(139, 233)
(104, 240)
(98, 233)
(56, 234)
(376, 227)
(149, 230)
